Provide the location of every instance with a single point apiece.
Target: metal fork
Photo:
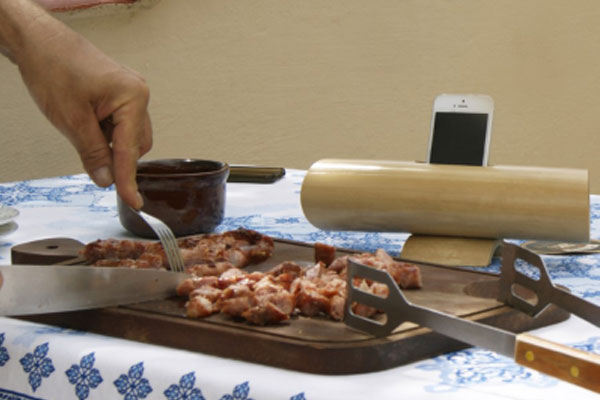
(167, 239)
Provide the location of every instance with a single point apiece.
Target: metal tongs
(563, 362)
(547, 293)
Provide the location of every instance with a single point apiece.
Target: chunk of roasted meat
(208, 254)
(324, 253)
(218, 285)
(288, 289)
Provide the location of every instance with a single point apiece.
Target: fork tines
(167, 239)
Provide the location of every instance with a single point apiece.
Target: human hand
(77, 87)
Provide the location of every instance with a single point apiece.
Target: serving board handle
(47, 251)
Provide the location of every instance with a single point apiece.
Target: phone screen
(458, 138)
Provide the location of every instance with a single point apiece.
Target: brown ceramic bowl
(188, 195)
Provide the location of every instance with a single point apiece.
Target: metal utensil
(546, 292)
(36, 289)
(563, 362)
(559, 248)
(167, 239)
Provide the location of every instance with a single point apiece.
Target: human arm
(77, 87)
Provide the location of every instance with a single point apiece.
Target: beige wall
(289, 82)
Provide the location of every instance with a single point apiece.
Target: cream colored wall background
(289, 82)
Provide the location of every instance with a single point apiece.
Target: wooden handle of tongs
(563, 362)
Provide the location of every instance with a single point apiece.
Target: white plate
(7, 228)
(7, 214)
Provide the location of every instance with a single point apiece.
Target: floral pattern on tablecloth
(43, 362)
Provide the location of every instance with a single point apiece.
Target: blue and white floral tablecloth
(46, 362)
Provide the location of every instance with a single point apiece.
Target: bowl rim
(220, 167)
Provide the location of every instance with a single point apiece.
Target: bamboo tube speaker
(492, 202)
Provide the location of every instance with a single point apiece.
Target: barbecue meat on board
(217, 283)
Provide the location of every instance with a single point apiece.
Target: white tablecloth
(46, 362)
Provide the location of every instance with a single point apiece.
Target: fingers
(78, 87)
(106, 163)
(93, 148)
(126, 125)
(146, 141)
(132, 137)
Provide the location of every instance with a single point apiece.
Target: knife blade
(37, 289)
(562, 362)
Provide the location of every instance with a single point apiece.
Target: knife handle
(254, 174)
(563, 362)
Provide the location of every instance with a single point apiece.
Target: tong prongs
(546, 292)
(389, 305)
(398, 309)
(509, 276)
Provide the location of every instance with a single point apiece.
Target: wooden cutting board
(316, 345)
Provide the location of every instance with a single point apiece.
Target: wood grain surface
(448, 200)
(316, 345)
(566, 363)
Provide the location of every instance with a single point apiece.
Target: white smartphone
(461, 129)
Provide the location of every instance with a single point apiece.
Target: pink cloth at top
(66, 5)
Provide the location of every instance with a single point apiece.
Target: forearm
(76, 86)
(18, 21)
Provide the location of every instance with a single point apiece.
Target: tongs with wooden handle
(563, 362)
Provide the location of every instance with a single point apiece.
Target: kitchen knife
(38, 289)
(563, 362)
